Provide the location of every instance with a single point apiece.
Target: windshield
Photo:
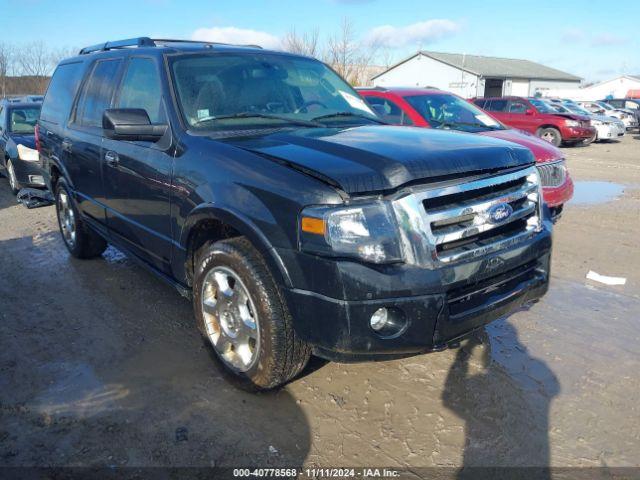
(23, 120)
(444, 110)
(577, 109)
(559, 107)
(606, 106)
(542, 106)
(231, 91)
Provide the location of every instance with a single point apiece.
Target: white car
(602, 108)
(607, 128)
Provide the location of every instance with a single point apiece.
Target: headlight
(27, 154)
(367, 231)
(572, 123)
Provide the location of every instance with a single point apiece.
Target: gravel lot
(101, 364)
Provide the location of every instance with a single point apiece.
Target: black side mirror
(131, 124)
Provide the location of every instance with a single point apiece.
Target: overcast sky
(573, 36)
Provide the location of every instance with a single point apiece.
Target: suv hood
(571, 116)
(375, 158)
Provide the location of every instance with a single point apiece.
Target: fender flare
(245, 227)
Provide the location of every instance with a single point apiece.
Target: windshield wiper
(467, 124)
(306, 123)
(349, 114)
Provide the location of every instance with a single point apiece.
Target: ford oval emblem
(499, 213)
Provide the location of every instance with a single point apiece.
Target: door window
(389, 111)
(141, 88)
(97, 94)
(496, 105)
(517, 106)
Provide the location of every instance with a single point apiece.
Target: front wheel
(13, 179)
(240, 311)
(551, 135)
(78, 238)
(590, 140)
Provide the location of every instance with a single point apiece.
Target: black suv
(18, 155)
(261, 185)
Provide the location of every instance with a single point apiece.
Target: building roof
(494, 66)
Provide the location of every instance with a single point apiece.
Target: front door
(137, 175)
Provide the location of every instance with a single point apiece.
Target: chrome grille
(450, 223)
(552, 174)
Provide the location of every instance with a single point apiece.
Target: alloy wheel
(230, 318)
(67, 219)
(13, 181)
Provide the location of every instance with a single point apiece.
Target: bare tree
(6, 59)
(350, 58)
(35, 65)
(305, 44)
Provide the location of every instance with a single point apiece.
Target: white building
(475, 76)
(616, 87)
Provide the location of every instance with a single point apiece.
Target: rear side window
(388, 110)
(61, 92)
(496, 105)
(516, 106)
(97, 94)
(480, 102)
(141, 89)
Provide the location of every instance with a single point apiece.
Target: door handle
(111, 158)
(66, 145)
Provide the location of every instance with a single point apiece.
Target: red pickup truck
(535, 116)
(429, 108)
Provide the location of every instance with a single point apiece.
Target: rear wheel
(80, 240)
(551, 135)
(240, 311)
(13, 180)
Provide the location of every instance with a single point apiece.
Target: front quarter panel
(254, 195)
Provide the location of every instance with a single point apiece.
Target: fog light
(36, 179)
(379, 319)
(388, 322)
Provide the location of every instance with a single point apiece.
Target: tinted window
(496, 106)
(517, 106)
(141, 89)
(23, 120)
(480, 102)
(632, 105)
(61, 91)
(97, 93)
(388, 111)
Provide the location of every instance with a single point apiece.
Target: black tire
(86, 243)
(281, 355)
(14, 184)
(551, 135)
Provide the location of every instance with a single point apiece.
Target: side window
(61, 92)
(481, 102)
(97, 93)
(516, 106)
(141, 88)
(632, 105)
(388, 111)
(496, 105)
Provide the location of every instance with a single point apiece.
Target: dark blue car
(18, 155)
(262, 186)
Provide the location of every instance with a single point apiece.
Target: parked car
(19, 159)
(607, 128)
(535, 116)
(603, 108)
(262, 186)
(431, 108)
(630, 104)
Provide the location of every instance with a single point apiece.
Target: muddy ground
(101, 364)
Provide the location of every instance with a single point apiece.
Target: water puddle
(593, 192)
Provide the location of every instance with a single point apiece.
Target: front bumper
(28, 174)
(577, 133)
(438, 305)
(557, 196)
(610, 132)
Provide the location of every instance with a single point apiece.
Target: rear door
(499, 109)
(83, 143)
(137, 175)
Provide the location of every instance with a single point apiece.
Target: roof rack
(148, 42)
